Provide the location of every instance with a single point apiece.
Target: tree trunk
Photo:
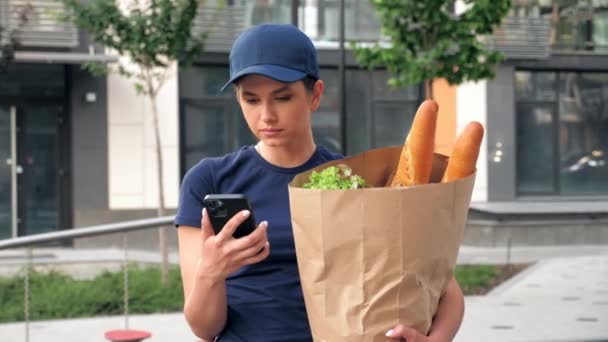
(554, 22)
(428, 89)
(162, 231)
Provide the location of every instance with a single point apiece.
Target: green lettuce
(335, 177)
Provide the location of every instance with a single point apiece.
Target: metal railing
(28, 242)
(120, 227)
(42, 27)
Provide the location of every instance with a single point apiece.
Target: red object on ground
(123, 335)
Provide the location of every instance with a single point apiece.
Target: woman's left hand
(403, 333)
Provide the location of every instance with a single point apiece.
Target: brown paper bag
(375, 257)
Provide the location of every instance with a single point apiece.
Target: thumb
(206, 228)
(402, 332)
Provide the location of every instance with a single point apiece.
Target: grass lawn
(57, 296)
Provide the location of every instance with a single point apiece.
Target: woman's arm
(450, 312)
(446, 322)
(204, 297)
(206, 260)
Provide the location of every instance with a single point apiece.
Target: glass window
(326, 125)
(266, 11)
(392, 122)
(562, 141)
(358, 110)
(535, 86)
(376, 116)
(583, 133)
(196, 82)
(382, 91)
(600, 28)
(535, 148)
(211, 122)
(580, 25)
(203, 132)
(320, 20)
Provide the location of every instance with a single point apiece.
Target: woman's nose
(268, 113)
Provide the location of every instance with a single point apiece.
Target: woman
(237, 289)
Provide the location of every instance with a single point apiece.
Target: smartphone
(222, 207)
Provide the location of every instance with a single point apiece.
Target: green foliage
(471, 278)
(54, 295)
(57, 296)
(335, 177)
(152, 34)
(429, 41)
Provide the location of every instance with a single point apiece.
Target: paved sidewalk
(164, 328)
(559, 299)
(562, 298)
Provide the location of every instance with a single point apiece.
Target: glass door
(8, 226)
(32, 168)
(40, 169)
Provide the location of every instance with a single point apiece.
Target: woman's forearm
(205, 308)
(450, 312)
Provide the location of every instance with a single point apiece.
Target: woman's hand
(403, 333)
(222, 254)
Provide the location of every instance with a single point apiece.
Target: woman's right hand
(222, 254)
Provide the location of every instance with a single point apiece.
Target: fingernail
(245, 213)
(204, 211)
(264, 224)
(389, 333)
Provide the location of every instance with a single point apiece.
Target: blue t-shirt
(265, 301)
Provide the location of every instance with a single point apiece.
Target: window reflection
(266, 11)
(326, 125)
(583, 131)
(535, 86)
(320, 20)
(562, 141)
(535, 156)
(212, 123)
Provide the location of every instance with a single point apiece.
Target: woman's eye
(284, 98)
(251, 101)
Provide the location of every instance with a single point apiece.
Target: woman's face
(278, 113)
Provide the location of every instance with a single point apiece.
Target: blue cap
(281, 52)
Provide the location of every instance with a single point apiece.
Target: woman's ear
(317, 94)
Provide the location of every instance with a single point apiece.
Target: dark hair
(309, 83)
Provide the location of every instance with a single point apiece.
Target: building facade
(546, 163)
(542, 173)
(50, 112)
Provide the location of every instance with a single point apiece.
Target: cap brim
(276, 72)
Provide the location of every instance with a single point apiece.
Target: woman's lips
(270, 132)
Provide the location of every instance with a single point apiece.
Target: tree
(427, 41)
(153, 34)
(9, 37)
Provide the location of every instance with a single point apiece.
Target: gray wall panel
(501, 129)
(89, 141)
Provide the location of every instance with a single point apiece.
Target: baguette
(466, 150)
(416, 158)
